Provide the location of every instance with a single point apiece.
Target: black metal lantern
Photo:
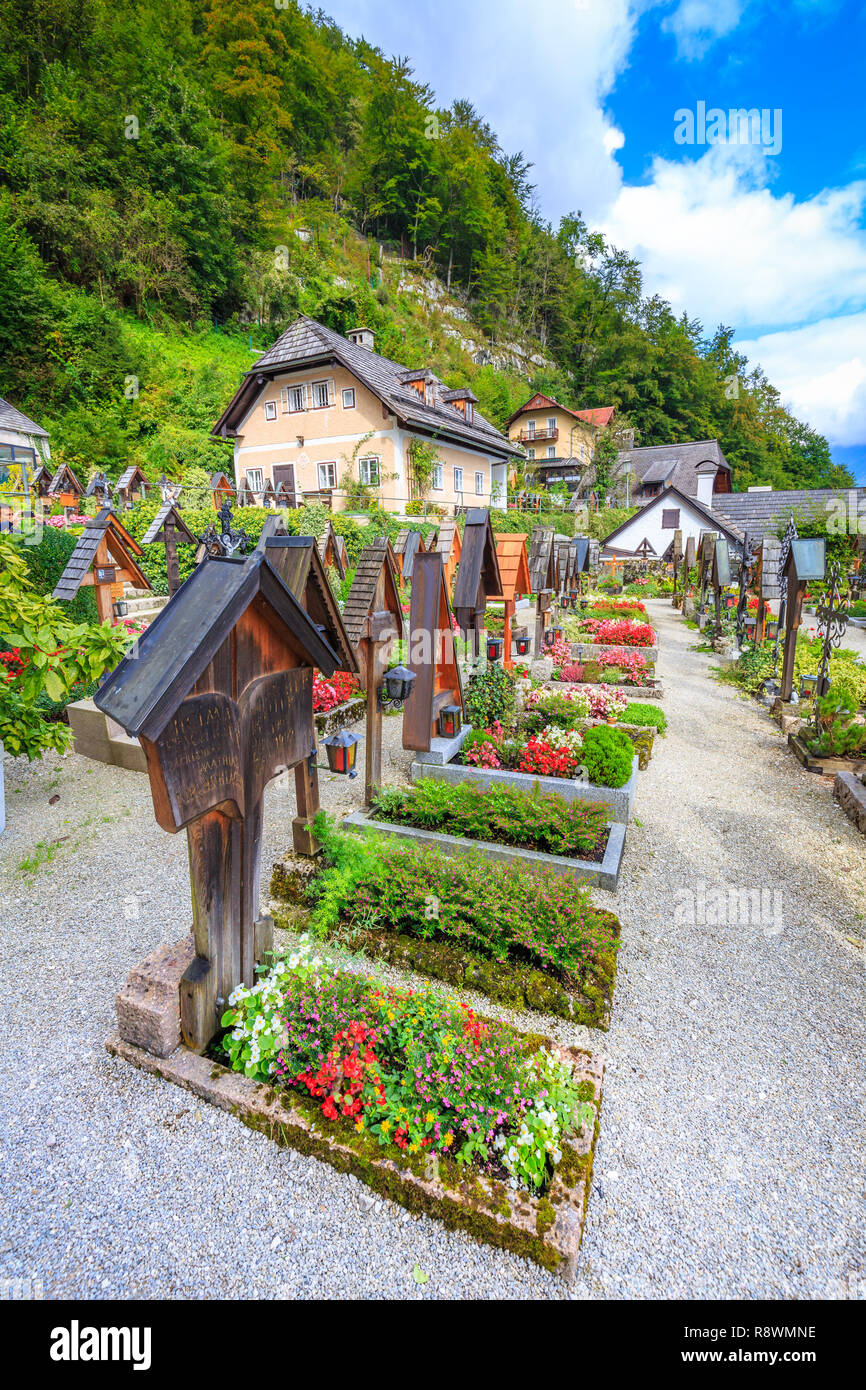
(584, 603)
(808, 686)
(555, 635)
(450, 721)
(522, 646)
(495, 647)
(396, 688)
(121, 608)
(342, 751)
(772, 629)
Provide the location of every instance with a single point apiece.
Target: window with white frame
(348, 398)
(458, 479)
(327, 477)
(255, 480)
(530, 429)
(530, 453)
(293, 399)
(270, 410)
(479, 484)
(321, 392)
(368, 469)
(551, 451)
(551, 422)
(438, 482)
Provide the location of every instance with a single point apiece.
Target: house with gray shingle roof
(763, 510)
(697, 468)
(24, 449)
(324, 414)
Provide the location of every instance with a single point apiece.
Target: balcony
(530, 436)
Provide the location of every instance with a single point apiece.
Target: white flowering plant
(536, 1148)
(253, 1014)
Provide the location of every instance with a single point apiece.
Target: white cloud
(697, 24)
(820, 370)
(714, 240)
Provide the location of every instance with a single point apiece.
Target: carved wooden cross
(220, 696)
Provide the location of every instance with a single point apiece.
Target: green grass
(44, 852)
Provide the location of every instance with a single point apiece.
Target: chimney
(706, 476)
(362, 337)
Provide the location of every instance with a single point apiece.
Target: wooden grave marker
(104, 557)
(478, 577)
(331, 552)
(169, 527)
(542, 577)
(514, 571)
(449, 544)
(407, 545)
(220, 695)
(432, 654)
(373, 618)
(222, 490)
(131, 487)
(766, 582)
(805, 561)
(65, 487)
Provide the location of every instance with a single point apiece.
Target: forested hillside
(157, 162)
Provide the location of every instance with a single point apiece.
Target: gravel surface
(730, 1161)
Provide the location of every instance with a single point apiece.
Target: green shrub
(504, 815)
(858, 608)
(490, 696)
(607, 756)
(644, 714)
(500, 912)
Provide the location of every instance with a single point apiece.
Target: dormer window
(429, 393)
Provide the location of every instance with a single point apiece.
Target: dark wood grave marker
(373, 618)
(432, 655)
(219, 692)
(169, 527)
(478, 577)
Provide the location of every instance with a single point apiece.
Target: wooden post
(793, 616)
(307, 793)
(104, 605)
(171, 563)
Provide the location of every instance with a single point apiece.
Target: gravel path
(730, 1156)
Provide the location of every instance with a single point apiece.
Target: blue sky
(773, 243)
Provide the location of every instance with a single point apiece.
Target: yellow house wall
(572, 434)
(342, 436)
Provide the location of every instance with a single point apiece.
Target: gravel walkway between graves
(730, 1161)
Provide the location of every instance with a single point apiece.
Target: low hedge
(644, 714)
(503, 815)
(498, 913)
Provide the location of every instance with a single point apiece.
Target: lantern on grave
(772, 628)
(450, 721)
(342, 750)
(396, 687)
(121, 608)
(808, 686)
(522, 646)
(494, 648)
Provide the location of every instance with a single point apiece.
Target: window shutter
(670, 518)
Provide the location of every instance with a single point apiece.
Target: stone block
(850, 791)
(442, 750)
(148, 1006)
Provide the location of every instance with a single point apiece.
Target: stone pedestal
(148, 1006)
(442, 750)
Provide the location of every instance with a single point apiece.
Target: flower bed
(552, 750)
(336, 690)
(527, 938)
(622, 664)
(622, 632)
(502, 815)
(452, 1114)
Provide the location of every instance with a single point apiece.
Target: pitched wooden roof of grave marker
(155, 531)
(64, 480)
(478, 577)
(297, 561)
(329, 550)
(564, 561)
(362, 594)
(513, 565)
(407, 545)
(121, 547)
(41, 480)
(143, 693)
(542, 564)
(580, 546)
(130, 478)
(437, 675)
(222, 482)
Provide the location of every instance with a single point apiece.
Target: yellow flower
(413, 1148)
(386, 1125)
(448, 1138)
(359, 1125)
(429, 1117)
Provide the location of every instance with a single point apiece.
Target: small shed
(220, 695)
(104, 557)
